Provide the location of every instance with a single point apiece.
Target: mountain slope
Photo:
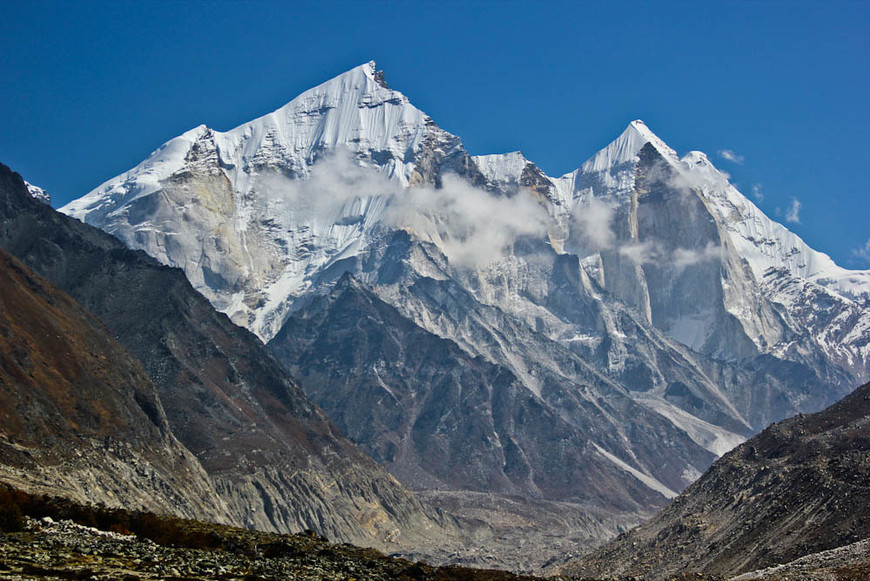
(799, 487)
(79, 416)
(440, 419)
(274, 458)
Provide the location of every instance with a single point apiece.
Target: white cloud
(472, 226)
(731, 156)
(651, 252)
(593, 222)
(793, 213)
(683, 257)
(757, 193)
(337, 187)
(863, 252)
(640, 252)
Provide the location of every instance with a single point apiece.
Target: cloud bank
(472, 226)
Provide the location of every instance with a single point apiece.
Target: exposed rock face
(79, 414)
(274, 458)
(439, 418)
(799, 487)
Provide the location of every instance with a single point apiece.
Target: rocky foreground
(81, 542)
(851, 562)
(66, 550)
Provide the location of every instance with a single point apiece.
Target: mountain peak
(639, 125)
(377, 76)
(355, 109)
(626, 147)
(642, 130)
(369, 69)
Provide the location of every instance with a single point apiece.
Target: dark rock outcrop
(440, 418)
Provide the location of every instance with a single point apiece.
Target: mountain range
(640, 308)
(510, 346)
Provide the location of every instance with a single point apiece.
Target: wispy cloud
(793, 213)
(731, 156)
(593, 226)
(862, 253)
(757, 193)
(593, 222)
(640, 252)
(679, 258)
(683, 257)
(471, 225)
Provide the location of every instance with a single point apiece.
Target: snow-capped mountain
(253, 248)
(679, 222)
(641, 288)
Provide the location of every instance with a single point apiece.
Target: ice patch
(646, 479)
(716, 439)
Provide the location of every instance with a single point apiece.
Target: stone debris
(50, 549)
(832, 565)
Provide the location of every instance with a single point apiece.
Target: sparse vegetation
(174, 548)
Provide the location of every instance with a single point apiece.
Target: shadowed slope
(78, 413)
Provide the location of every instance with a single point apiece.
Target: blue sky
(87, 90)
